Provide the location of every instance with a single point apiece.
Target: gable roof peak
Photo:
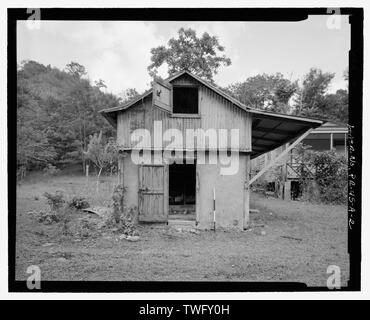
(171, 78)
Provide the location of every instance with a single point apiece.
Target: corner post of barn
(246, 193)
(120, 174)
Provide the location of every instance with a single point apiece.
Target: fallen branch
(291, 238)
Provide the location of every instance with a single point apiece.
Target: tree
(188, 52)
(101, 153)
(313, 100)
(128, 95)
(56, 113)
(311, 97)
(346, 75)
(76, 70)
(268, 92)
(100, 84)
(337, 106)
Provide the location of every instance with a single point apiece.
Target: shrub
(65, 226)
(49, 217)
(124, 219)
(86, 228)
(127, 222)
(55, 201)
(118, 198)
(51, 170)
(330, 177)
(78, 203)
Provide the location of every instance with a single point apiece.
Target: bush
(49, 217)
(78, 203)
(86, 228)
(51, 170)
(127, 223)
(55, 201)
(330, 178)
(123, 219)
(118, 198)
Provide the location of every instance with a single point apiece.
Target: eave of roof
(285, 116)
(268, 135)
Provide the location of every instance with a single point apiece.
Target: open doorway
(182, 179)
(295, 189)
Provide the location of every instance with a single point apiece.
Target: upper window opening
(185, 100)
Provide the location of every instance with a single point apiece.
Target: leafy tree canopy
(268, 92)
(313, 99)
(56, 112)
(199, 55)
(128, 95)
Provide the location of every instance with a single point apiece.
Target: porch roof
(271, 130)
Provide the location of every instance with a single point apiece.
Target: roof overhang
(272, 130)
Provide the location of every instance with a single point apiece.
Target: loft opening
(185, 99)
(182, 179)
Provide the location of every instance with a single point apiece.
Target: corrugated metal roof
(271, 130)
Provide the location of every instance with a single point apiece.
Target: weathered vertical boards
(162, 95)
(153, 189)
(246, 193)
(215, 112)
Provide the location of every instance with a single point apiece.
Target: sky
(119, 51)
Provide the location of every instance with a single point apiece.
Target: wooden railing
(298, 170)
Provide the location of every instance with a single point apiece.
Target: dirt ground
(288, 241)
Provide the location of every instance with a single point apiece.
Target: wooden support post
(166, 190)
(280, 156)
(246, 194)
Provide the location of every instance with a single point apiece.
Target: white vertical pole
(214, 209)
(331, 141)
(87, 172)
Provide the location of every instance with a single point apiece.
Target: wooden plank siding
(153, 197)
(215, 112)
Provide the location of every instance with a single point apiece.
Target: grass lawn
(288, 241)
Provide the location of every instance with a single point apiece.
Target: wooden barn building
(187, 183)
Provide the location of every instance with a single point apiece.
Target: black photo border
(196, 14)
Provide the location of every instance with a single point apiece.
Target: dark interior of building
(185, 100)
(182, 191)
